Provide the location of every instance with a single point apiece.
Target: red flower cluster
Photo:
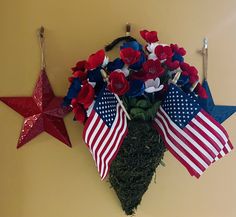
(95, 60)
(191, 71)
(179, 50)
(153, 69)
(129, 55)
(149, 36)
(117, 83)
(163, 52)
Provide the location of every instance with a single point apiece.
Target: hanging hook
(128, 29)
(204, 53)
(41, 44)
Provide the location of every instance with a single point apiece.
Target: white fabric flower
(124, 70)
(153, 85)
(105, 61)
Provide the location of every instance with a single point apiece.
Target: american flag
(190, 133)
(105, 130)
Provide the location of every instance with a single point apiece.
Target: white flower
(151, 47)
(152, 56)
(105, 61)
(153, 85)
(124, 70)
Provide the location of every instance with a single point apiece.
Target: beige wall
(47, 179)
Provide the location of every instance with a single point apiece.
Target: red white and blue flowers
(141, 73)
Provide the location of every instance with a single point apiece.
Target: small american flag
(190, 133)
(105, 130)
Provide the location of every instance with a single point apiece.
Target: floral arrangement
(140, 78)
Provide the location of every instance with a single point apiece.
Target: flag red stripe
(168, 128)
(185, 137)
(173, 152)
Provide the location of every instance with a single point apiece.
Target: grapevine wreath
(139, 105)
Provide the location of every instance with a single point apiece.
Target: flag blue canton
(105, 106)
(180, 107)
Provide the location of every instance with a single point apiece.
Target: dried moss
(132, 170)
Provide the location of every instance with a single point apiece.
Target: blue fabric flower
(95, 75)
(133, 44)
(138, 65)
(116, 64)
(183, 80)
(177, 57)
(73, 91)
(137, 88)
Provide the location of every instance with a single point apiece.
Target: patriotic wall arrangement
(133, 109)
(140, 104)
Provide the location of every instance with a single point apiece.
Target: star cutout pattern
(218, 112)
(41, 112)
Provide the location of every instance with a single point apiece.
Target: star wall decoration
(41, 112)
(219, 112)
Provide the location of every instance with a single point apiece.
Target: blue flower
(95, 75)
(177, 57)
(73, 91)
(137, 88)
(116, 64)
(133, 44)
(183, 80)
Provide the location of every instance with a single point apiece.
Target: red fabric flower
(172, 65)
(80, 66)
(184, 66)
(149, 37)
(80, 114)
(129, 55)
(163, 52)
(140, 75)
(200, 90)
(86, 95)
(95, 60)
(118, 83)
(179, 50)
(153, 69)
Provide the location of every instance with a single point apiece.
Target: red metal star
(41, 112)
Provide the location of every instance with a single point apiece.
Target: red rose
(153, 69)
(129, 55)
(149, 37)
(117, 83)
(172, 65)
(200, 90)
(80, 66)
(95, 60)
(80, 114)
(140, 75)
(184, 66)
(179, 50)
(86, 95)
(163, 52)
(80, 74)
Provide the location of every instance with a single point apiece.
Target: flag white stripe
(182, 144)
(117, 144)
(228, 147)
(91, 138)
(104, 143)
(114, 137)
(183, 156)
(218, 130)
(208, 144)
(194, 143)
(90, 127)
(216, 140)
(105, 128)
